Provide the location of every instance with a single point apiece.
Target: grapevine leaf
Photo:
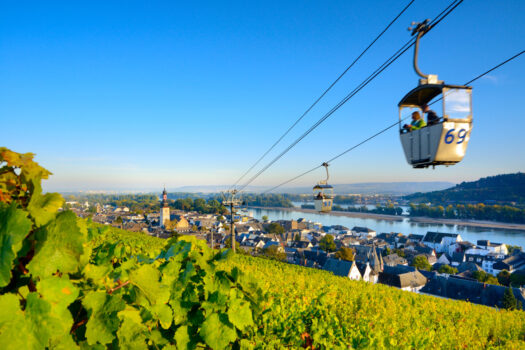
(217, 332)
(49, 323)
(58, 291)
(103, 321)
(157, 337)
(96, 272)
(146, 279)
(14, 227)
(180, 314)
(44, 207)
(131, 333)
(164, 314)
(59, 246)
(246, 345)
(182, 338)
(12, 322)
(240, 314)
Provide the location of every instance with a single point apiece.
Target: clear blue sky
(135, 94)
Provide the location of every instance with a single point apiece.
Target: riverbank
(418, 219)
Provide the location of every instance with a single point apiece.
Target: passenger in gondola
(320, 195)
(417, 122)
(432, 117)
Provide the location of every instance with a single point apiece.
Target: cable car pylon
(232, 202)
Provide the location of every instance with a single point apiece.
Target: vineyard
(67, 283)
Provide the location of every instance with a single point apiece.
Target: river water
(404, 226)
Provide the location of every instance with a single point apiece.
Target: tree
(517, 279)
(194, 228)
(170, 225)
(420, 262)
(513, 248)
(220, 218)
(274, 252)
(199, 205)
(448, 269)
(387, 251)
(327, 243)
(276, 228)
(345, 253)
(484, 277)
(509, 301)
(265, 217)
(297, 237)
(504, 278)
(399, 252)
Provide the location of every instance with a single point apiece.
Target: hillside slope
(500, 188)
(309, 306)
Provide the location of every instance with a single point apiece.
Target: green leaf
(245, 344)
(182, 338)
(44, 207)
(12, 322)
(240, 314)
(146, 279)
(40, 326)
(58, 291)
(14, 227)
(132, 333)
(164, 314)
(96, 272)
(103, 321)
(59, 247)
(49, 323)
(217, 332)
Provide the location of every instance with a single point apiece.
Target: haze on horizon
(139, 95)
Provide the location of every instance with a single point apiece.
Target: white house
(363, 232)
(442, 242)
(493, 247)
(342, 268)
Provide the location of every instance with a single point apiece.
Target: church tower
(164, 209)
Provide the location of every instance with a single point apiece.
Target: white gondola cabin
(323, 194)
(445, 141)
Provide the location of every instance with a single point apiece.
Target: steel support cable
(378, 71)
(326, 116)
(389, 127)
(323, 94)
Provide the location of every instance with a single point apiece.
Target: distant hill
(501, 188)
(389, 188)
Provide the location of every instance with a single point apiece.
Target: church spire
(376, 262)
(164, 198)
(164, 208)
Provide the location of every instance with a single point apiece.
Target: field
(307, 307)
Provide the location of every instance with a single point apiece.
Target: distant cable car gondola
(323, 194)
(444, 140)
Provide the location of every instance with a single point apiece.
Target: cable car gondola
(323, 194)
(443, 141)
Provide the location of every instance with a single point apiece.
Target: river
(405, 226)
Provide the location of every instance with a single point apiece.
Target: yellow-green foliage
(309, 307)
(135, 243)
(312, 306)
